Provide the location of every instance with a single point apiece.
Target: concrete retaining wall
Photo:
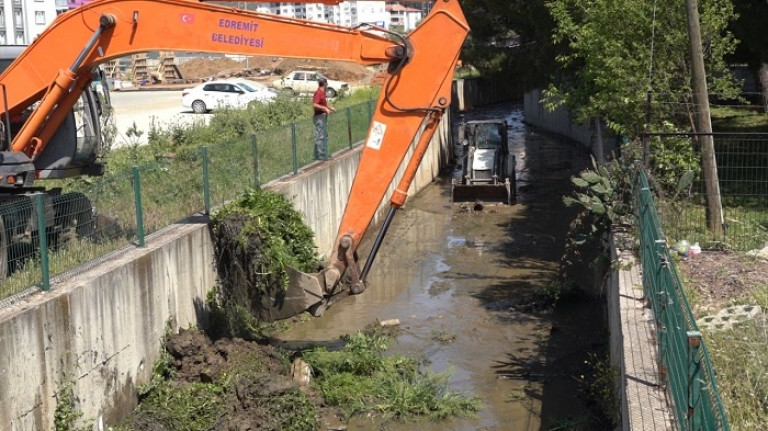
(594, 135)
(469, 93)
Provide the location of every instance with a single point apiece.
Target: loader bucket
(485, 193)
(304, 292)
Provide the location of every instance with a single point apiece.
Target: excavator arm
(55, 69)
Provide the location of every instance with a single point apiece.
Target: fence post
(43, 235)
(295, 149)
(370, 111)
(694, 380)
(139, 209)
(255, 153)
(349, 126)
(206, 182)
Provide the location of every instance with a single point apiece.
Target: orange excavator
(41, 87)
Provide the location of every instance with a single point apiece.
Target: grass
(747, 228)
(741, 119)
(739, 357)
(360, 379)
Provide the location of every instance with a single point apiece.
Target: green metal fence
(99, 217)
(684, 364)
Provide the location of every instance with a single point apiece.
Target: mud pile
(230, 384)
(225, 67)
(199, 68)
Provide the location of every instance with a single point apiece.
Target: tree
(512, 40)
(612, 65)
(749, 29)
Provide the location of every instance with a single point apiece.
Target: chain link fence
(742, 168)
(95, 218)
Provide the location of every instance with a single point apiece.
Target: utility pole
(715, 220)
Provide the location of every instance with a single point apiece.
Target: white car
(305, 81)
(225, 94)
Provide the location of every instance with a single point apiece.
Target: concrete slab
(645, 402)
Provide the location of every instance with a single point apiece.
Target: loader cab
(486, 173)
(77, 144)
(488, 152)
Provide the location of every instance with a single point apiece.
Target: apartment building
(348, 13)
(21, 21)
(403, 18)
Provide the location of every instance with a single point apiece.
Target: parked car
(305, 81)
(225, 94)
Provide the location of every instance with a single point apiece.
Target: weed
(519, 394)
(256, 238)
(600, 384)
(192, 407)
(360, 379)
(66, 414)
(443, 337)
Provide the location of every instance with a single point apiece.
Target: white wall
(372, 12)
(23, 20)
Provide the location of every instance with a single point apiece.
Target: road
(144, 107)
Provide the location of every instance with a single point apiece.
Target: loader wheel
(198, 107)
(74, 214)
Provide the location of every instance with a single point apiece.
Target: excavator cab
(76, 144)
(485, 170)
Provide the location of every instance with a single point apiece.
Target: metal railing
(684, 365)
(93, 219)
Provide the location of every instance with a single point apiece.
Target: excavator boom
(56, 68)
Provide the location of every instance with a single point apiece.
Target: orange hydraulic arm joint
(59, 99)
(415, 95)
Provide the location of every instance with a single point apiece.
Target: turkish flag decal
(187, 18)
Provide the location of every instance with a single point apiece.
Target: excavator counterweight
(46, 81)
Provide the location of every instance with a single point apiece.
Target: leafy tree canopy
(511, 40)
(749, 29)
(609, 58)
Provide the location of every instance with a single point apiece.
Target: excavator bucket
(483, 193)
(304, 292)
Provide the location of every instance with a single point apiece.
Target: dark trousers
(321, 136)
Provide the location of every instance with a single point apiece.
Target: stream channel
(455, 279)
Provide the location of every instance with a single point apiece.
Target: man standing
(320, 103)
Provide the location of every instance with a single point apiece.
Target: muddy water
(455, 278)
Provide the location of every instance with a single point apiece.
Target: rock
(759, 253)
(301, 372)
(390, 322)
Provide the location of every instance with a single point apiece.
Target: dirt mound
(225, 67)
(197, 359)
(340, 70)
(721, 276)
(206, 67)
(231, 384)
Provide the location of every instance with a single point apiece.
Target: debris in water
(390, 322)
